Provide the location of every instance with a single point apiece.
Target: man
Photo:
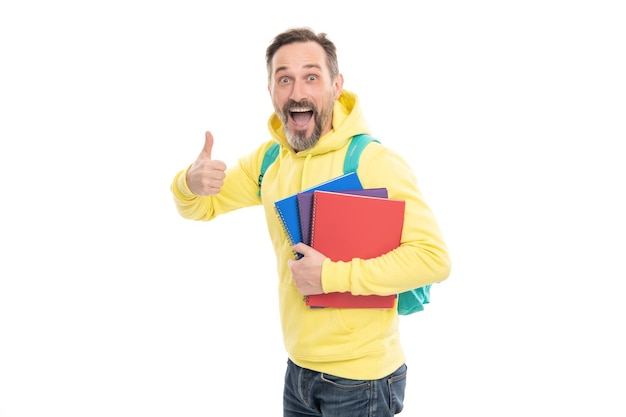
(342, 362)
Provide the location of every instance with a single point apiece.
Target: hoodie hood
(348, 121)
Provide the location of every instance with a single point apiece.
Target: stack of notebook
(342, 220)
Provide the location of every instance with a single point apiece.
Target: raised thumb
(208, 145)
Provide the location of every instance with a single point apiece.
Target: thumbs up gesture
(206, 176)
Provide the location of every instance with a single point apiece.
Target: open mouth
(301, 116)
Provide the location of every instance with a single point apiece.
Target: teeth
(299, 110)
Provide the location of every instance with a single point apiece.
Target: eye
(283, 80)
(312, 77)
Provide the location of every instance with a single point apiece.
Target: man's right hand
(206, 176)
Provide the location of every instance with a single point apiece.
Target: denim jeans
(314, 394)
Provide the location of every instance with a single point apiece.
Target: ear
(338, 86)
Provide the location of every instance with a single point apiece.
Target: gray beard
(300, 142)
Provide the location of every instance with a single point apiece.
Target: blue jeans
(313, 394)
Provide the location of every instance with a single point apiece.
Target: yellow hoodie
(350, 343)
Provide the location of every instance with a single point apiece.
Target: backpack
(409, 302)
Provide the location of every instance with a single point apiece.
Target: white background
(511, 113)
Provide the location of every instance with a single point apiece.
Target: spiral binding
(283, 222)
(290, 238)
(313, 221)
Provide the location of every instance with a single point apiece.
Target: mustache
(290, 104)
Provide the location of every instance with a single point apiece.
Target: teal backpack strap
(268, 159)
(350, 163)
(355, 148)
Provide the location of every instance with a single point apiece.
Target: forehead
(299, 55)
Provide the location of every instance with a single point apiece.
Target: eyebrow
(308, 66)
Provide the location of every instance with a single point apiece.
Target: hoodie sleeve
(422, 257)
(240, 189)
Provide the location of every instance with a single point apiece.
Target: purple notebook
(305, 202)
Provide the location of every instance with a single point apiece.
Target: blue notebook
(287, 208)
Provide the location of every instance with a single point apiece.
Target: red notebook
(348, 226)
(305, 205)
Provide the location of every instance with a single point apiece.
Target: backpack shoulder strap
(350, 163)
(268, 159)
(355, 148)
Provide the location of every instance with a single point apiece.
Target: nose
(298, 91)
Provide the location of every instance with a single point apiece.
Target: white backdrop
(511, 114)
